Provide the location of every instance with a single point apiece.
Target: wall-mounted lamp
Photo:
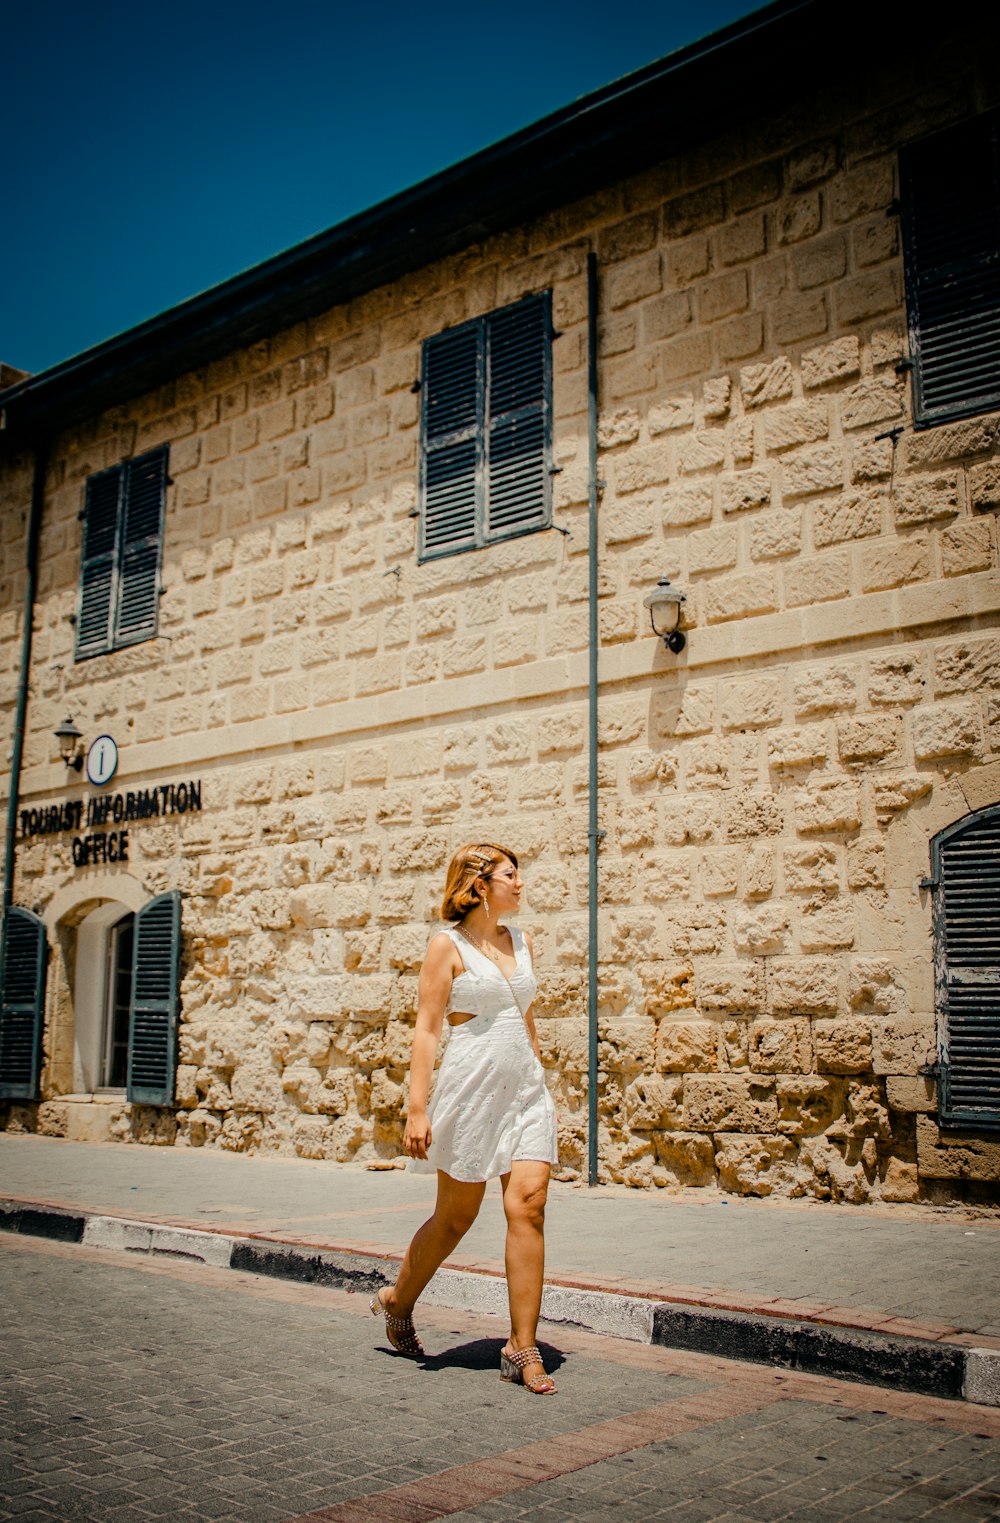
(70, 749)
(664, 606)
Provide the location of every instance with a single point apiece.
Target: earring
(486, 906)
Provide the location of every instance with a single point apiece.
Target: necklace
(484, 946)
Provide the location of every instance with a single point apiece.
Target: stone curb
(929, 1367)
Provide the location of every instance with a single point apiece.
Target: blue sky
(154, 150)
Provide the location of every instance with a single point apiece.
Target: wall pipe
(594, 835)
(17, 750)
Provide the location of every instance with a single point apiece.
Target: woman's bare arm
(435, 986)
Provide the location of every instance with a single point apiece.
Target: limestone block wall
(766, 995)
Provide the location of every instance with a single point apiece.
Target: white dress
(490, 1105)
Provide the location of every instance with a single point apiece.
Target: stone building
(307, 560)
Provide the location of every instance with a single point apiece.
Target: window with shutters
(950, 187)
(154, 1001)
(486, 466)
(965, 873)
(120, 567)
(23, 959)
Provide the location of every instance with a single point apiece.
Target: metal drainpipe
(593, 834)
(17, 751)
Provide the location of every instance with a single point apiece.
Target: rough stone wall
(766, 993)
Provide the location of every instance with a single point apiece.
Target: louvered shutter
(152, 1034)
(485, 461)
(452, 393)
(139, 555)
(517, 465)
(951, 222)
(22, 1003)
(98, 570)
(966, 868)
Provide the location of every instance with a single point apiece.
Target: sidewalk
(899, 1295)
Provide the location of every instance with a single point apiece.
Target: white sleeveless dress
(490, 1105)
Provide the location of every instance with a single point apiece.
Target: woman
(491, 1114)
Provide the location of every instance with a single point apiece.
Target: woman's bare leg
(455, 1210)
(525, 1190)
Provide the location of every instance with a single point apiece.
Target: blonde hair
(476, 860)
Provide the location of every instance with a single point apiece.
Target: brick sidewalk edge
(934, 1367)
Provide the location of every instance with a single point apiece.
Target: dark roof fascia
(616, 131)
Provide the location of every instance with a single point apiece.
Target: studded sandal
(400, 1330)
(512, 1366)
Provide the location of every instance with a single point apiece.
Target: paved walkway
(920, 1271)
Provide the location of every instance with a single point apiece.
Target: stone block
(687, 505)
(830, 363)
(818, 579)
(729, 986)
(911, 1095)
(729, 1103)
(753, 813)
(748, 489)
(640, 277)
(799, 316)
(966, 547)
(967, 666)
(686, 1046)
(618, 428)
(852, 515)
(801, 747)
(717, 396)
(722, 295)
(696, 209)
(945, 729)
(928, 498)
(827, 927)
(720, 872)
(666, 315)
(802, 985)
(776, 534)
(893, 793)
(762, 931)
(653, 1102)
(816, 470)
(740, 597)
(866, 864)
(843, 1047)
(811, 869)
(780, 1047)
(868, 739)
(828, 804)
(687, 1157)
(984, 486)
(701, 452)
(823, 689)
(754, 1165)
(820, 261)
(866, 296)
(954, 1155)
(799, 217)
(762, 384)
(871, 402)
(752, 703)
(900, 1181)
(712, 550)
(796, 423)
(809, 1104)
(903, 1043)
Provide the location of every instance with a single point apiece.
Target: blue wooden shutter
(452, 393)
(139, 553)
(966, 869)
(99, 565)
(152, 1035)
(518, 381)
(950, 187)
(22, 1003)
